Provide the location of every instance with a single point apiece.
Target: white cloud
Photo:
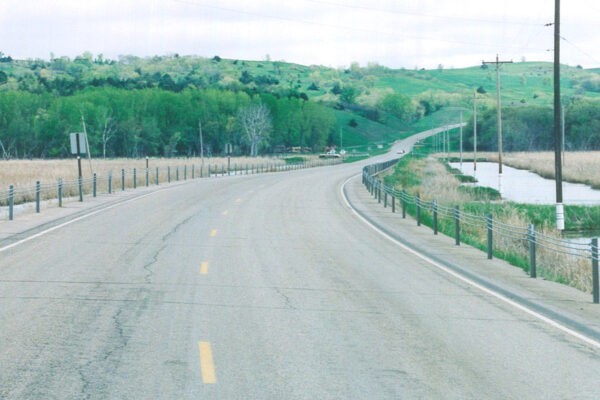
(331, 32)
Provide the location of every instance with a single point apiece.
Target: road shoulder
(563, 304)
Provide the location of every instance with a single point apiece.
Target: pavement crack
(148, 266)
(286, 299)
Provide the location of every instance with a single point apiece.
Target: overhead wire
(419, 14)
(340, 27)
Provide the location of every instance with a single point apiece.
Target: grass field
(24, 173)
(432, 180)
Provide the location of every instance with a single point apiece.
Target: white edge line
(468, 281)
(37, 235)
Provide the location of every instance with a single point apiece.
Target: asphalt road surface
(261, 287)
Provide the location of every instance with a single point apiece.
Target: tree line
(157, 122)
(531, 128)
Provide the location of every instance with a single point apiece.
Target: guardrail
(64, 189)
(531, 238)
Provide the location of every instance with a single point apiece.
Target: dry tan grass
(579, 166)
(438, 183)
(24, 173)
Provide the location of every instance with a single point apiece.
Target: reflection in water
(527, 187)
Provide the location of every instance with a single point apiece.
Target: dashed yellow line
(204, 268)
(206, 363)
(225, 212)
(213, 233)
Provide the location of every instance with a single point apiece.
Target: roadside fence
(56, 193)
(540, 246)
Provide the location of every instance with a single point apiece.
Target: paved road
(262, 287)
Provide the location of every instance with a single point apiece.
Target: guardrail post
(378, 191)
(222, 170)
(185, 172)
(490, 247)
(201, 171)
(122, 179)
(418, 202)
(134, 179)
(169, 174)
(109, 182)
(435, 217)
(60, 192)
(403, 203)
(531, 237)
(156, 176)
(456, 226)
(193, 173)
(94, 185)
(177, 172)
(246, 168)
(393, 200)
(384, 198)
(595, 283)
(80, 184)
(37, 196)
(147, 177)
(209, 170)
(11, 201)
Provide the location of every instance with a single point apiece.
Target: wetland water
(522, 186)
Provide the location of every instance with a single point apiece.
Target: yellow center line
(225, 212)
(206, 363)
(213, 233)
(204, 267)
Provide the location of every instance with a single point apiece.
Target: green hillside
(369, 104)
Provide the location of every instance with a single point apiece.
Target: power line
(342, 27)
(417, 14)
(579, 49)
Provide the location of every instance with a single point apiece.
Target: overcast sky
(400, 33)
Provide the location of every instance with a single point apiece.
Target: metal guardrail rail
(527, 235)
(78, 189)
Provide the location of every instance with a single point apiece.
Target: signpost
(79, 147)
(228, 150)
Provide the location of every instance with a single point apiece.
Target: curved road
(261, 287)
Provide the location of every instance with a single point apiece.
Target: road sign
(228, 148)
(82, 144)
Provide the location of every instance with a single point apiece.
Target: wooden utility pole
(461, 153)
(475, 131)
(560, 214)
(498, 62)
(562, 131)
(87, 143)
(201, 142)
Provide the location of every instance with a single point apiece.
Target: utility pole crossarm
(498, 62)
